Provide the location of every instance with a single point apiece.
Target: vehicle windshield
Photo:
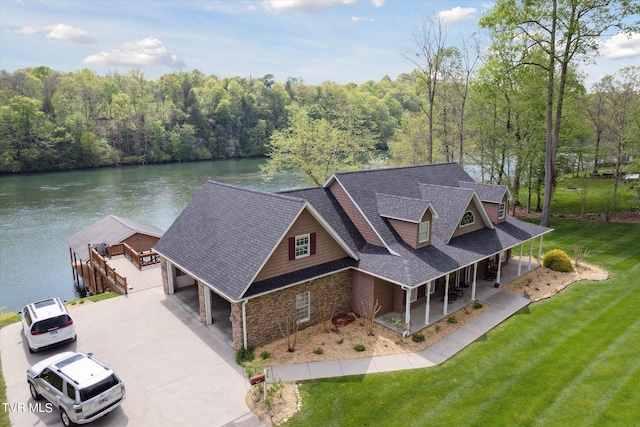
(94, 390)
(53, 323)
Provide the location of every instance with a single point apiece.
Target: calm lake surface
(39, 211)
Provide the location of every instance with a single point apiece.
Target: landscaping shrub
(477, 305)
(265, 355)
(557, 260)
(359, 347)
(244, 355)
(318, 350)
(452, 319)
(417, 337)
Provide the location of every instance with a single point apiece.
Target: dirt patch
(537, 284)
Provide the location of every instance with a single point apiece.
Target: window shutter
(292, 248)
(312, 243)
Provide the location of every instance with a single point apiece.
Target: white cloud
(361, 19)
(68, 33)
(457, 14)
(28, 30)
(621, 46)
(377, 3)
(304, 5)
(140, 53)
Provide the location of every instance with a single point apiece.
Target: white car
(82, 388)
(47, 323)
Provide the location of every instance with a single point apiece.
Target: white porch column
(473, 285)
(446, 296)
(407, 303)
(540, 251)
(427, 306)
(530, 252)
(499, 267)
(171, 278)
(520, 260)
(207, 305)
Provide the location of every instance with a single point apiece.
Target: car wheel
(66, 421)
(34, 392)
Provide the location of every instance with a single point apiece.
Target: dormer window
(501, 210)
(423, 231)
(467, 219)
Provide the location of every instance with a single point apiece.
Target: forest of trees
(498, 108)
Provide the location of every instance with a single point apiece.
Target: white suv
(80, 386)
(47, 323)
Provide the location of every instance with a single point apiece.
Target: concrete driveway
(176, 370)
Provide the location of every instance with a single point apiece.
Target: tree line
(518, 109)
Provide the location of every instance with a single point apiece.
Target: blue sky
(316, 40)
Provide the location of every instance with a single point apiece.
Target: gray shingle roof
(112, 229)
(452, 203)
(363, 186)
(487, 192)
(402, 208)
(226, 233)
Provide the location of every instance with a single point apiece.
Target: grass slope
(570, 360)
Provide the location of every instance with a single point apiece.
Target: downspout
(244, 324)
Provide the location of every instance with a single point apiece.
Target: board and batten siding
(354, 214)
(327, 249)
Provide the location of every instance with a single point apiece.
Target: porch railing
(139, 259)
(108, 274)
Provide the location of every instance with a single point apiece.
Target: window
(71, 392)
(414, 295)
(52, 378)
(467, 219)
(303, 307)
(302, 246)
(501, 209)
(423, 231)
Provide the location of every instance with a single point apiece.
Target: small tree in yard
(368, 310)
(327, 311)
(557, 260)
(289, 330)
(579, 253)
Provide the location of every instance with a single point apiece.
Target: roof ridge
(254, 191)
(445, 186)
(399, 197)
(393, 168)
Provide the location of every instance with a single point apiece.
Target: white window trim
(471, 223)
(426, 224)
(308, 246)
(502, 206)
(301, 299)
(414, 295)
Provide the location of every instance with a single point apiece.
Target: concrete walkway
(503, 303)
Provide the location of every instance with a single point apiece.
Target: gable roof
(112, 229)
(362, 187)
(488, 192)
(226, 234)
(403, 208)
(453, 203)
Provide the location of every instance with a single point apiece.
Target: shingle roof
(362, 187)
(452, 203)
(402, 208)
(112, 229)
(487, 192)
(226, 233)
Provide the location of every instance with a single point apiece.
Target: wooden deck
(137, 280)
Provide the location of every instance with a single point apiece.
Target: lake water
(39, 211)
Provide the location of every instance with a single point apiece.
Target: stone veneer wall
(264, 313)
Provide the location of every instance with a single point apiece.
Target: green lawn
(596, 193)
(573, 360)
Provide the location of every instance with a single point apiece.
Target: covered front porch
(438, 309)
